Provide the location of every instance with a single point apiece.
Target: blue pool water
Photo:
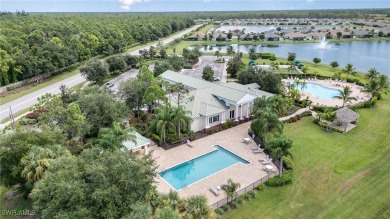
(201, 167)
(320, 91)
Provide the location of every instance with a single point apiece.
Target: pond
(263, 28)
(362, 54)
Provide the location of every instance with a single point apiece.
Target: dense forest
(33, 44)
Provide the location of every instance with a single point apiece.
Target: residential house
(317, 35)
(272, 37)
(220, 37)
(197, 37)
(213, 104)
(295, 36)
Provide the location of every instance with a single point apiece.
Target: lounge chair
(257, 151)
(214, 190)
(265, 163)
(189, 143)
(262, 159)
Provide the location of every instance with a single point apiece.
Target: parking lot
(219, 68)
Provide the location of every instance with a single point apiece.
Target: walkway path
(298, 112)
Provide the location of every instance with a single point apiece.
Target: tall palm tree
(383, 82)
(273, 66)
(162, 121)
(327, 116)
(303, 85)
(372, 74)
(345, 95)
(180, 118)
(294, 95)
(230, 50)
(197, 207)
(252, 53)
(230, 188)
(266, 120)
(280, 104)
(280, 147)
(349, 70)
(38, 159)
(113, 137)
(373, 87)
(291, 69)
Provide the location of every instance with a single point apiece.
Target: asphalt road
(168, 40)
(32, 98)
(29, 100)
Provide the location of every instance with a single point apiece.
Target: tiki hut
(346, 116)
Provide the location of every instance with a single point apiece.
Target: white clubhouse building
(213, 104)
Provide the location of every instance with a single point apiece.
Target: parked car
(109, 84)
(216, 78)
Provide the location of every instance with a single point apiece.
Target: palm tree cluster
(230, 188)
(169, 121)
(377, 84)
(345, 95)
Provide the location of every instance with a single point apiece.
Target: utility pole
(11, 117)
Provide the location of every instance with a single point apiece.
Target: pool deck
(357, 92)
(232, 140)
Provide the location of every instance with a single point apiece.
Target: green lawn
(336, 175)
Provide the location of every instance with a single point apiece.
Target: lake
(362, 54)
(262, 28)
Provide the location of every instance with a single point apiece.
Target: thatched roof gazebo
(346, 116)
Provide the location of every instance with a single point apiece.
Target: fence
(244, 190)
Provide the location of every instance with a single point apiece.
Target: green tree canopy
(208, 73)
(95, 71)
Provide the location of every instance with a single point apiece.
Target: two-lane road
(29, 100)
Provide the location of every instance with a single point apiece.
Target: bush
(172, 138)
(288, 163)
(228, 124)
(260, 187)
(156, 137)
(252, 194)
(187, 66)
(27, 121)
(225, 207)
(191, 134)
(277, 181)
(219, 211)
(235, 204)
(32, 116)
(247, 197)
(323, 109)
(240, 200)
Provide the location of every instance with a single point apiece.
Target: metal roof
(137, 143)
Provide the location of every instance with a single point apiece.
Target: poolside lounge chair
(189, 143)
(257, 151)
(214, 190)
(265, 162)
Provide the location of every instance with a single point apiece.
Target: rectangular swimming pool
(199, 168)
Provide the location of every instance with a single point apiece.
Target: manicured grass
(12, 203)
(336, 175)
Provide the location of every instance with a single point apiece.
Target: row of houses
(298, 21)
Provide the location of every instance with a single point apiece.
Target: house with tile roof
(213, 104)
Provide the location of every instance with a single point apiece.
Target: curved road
(30, 99)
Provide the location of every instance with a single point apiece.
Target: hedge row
(277, 181)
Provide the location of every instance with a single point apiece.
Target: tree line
(42, 43)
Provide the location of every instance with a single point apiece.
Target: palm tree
(273, 66)
(252, 53)
(349, 70)
(162, 121)
(291, 69)
(197, 207)
(345, 95)
(112, 138)
(180, 118)
(217, 54)
(337, 75)
(230, 189)
(38, 159)
(230, 50)
(373, 87)
(294, 95)
(383, 82)
(266, 120)
(327, 116)
(280, 104)
(303, 85)
(280, 147)
(372, 74)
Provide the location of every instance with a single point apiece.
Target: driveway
(219, 68)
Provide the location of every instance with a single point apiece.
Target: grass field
(336, 175)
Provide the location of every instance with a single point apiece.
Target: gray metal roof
(139, 141)
(230, 91)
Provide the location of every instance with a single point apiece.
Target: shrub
(323, 109)
(191, 134)
(240, 200)
(228, 124)
(156, 137)
(277, 181)
(27, 121)
(225, 208)
(260, 187)
(252, 194)
(288, 163)
(32, 116)
(235, 204)
(187, 66)
(172, 138)
(247, 197)
(219, 211)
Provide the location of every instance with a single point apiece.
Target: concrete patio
(232, 140)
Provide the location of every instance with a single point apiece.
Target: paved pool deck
(357, 92)
(232, 140)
